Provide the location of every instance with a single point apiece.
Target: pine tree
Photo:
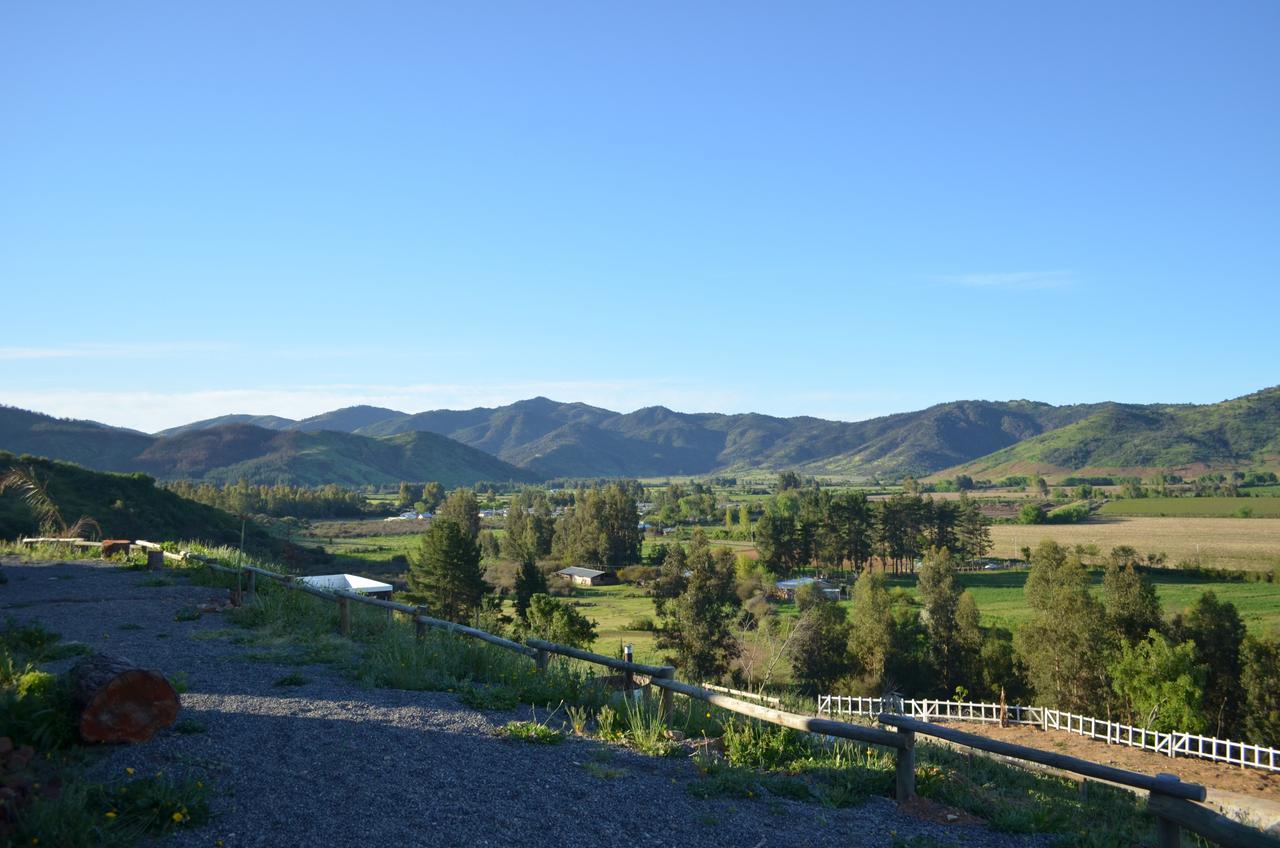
(696, 623)
(530, 581)
(445, 572)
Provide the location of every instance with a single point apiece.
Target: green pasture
(1253, 507)
(1002, 602)
(613, 608)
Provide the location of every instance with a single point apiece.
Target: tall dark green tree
(819, 647)
(696, 623)
(1260, 680)
(444, 572)
(1132, 606)
(941, 596)
(1066, 646)
(602, 529)
(1218, 633)
(530, 581)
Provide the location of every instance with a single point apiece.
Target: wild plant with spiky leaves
(35, 493)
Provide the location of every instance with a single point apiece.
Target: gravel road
(330, 763)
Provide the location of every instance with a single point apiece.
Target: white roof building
(350, 582)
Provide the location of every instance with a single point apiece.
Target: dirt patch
(931, 811)
(1246, 781)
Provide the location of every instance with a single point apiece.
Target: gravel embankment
(329, 763)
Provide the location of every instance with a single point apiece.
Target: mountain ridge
(541, 438)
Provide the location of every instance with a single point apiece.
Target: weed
(607, 724)
(189, 613)
(189, 726)
(531, 731)
(578, 718)
(647, 732)
(179, 681)
(129, 625)
(155, 582)
(292, 679)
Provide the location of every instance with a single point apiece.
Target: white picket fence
(1111, 732)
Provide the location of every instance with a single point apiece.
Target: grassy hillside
(575, 440)
(125, 505)
(228, 453)
(1242, 432)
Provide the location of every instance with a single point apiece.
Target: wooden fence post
(905, 772)
(540, 660)
(253, 582)
(344, 616)
(420, 626)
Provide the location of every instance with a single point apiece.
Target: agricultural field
(1259, 507)
(1229, 543)
(1002, 602)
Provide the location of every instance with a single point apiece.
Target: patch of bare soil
(1246, 781)
(931, 811)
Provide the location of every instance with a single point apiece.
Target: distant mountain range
(541, 438)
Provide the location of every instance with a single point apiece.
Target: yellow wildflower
(111, 814)
(177, 816)
(129, 770)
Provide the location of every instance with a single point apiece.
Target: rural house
(579, 576)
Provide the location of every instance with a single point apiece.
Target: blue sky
(834, 209)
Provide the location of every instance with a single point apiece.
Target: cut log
(119, 702)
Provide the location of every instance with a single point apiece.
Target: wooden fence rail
(1171, 801)
(1111, 732)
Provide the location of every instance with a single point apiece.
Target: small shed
(580, 576)
(350, 582)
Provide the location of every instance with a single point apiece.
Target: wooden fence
(1111, 732)
(1172, 803)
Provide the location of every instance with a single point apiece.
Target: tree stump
(118, 702)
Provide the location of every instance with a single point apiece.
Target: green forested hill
(1240, 432)
(578, 440)
(541, 438)
(229, 452)
(86, 442)
(127, 506)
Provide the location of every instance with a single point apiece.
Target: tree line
(813, 526)
(243, 498)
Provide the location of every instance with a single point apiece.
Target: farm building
(579, 576)
(787, 588)
(350, 582)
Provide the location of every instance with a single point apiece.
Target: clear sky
(840, 209)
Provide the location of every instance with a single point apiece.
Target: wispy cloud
(1017, 280)
(107, 351)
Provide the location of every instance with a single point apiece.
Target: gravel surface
(330, 763)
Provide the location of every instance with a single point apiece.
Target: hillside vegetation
(227, 452)
(127, 506)
(542, 438)
(1244, 431)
